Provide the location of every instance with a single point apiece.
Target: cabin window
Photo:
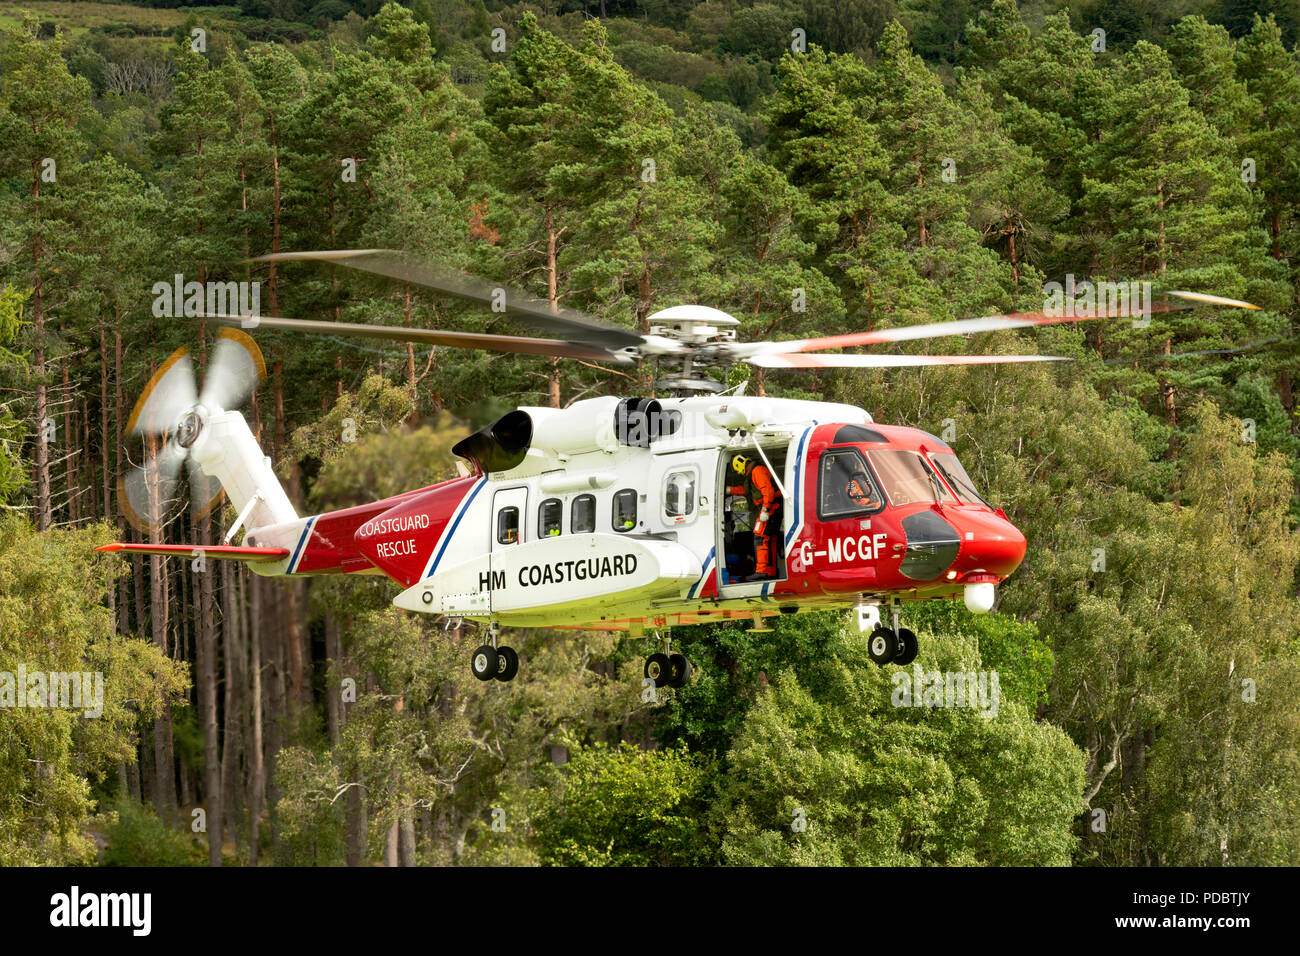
(846, 487)
(679, 494)
(907, 478)
(624, 510)
(550, 516)
(507, 526)
(583, 519)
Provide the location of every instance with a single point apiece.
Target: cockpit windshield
(907, 478)
(956, 476)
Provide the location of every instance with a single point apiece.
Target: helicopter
(617, 513)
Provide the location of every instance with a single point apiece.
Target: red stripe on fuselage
(401, 540)
(332, 546)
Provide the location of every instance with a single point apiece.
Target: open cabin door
(737, 545)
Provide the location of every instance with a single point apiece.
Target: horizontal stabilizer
(231, 552)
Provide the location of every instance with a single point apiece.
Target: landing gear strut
(667, 669)
(490, 661)
(892, 646)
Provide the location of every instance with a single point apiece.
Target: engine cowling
(598, 424)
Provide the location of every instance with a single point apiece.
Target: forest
(896, 162)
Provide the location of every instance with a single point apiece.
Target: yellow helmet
(740, 464)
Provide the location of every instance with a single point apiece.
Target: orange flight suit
(861, 493)
(762, 492)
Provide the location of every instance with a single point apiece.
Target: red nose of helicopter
(992, 545)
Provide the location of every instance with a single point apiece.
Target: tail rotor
(170, 416)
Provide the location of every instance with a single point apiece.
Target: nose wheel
(882, 645)
(490, 662)
(892, 646)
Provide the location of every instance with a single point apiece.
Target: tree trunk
(1015, 264)
(272, 279)
(235, 677)
(355, 851)
(410, 358)
(70, 439)
(44, 513)
(256, 781)
(553, 297)
(406, 839)
(205, 654)
(164, 784)
(391, 843)
(123, 603)
(333, 692)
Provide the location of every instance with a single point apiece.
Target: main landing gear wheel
(507, 664)
(659, 669)
(882, 645)
(485, 662)
(679, 670)
(905, 647)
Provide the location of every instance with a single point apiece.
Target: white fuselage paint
(656, 569)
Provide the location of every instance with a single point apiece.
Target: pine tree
(823, 141)
(590, 155)
(775, 291)
(1163, 199)
(1272, 78)
(40, 106)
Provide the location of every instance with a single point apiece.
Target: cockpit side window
(957, 478)
(845, 486)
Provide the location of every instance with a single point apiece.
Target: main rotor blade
(236, 369)
(907, 333)
(460, 340)
(569, 323)
(988, 323)
(814, 360)
(1207, 299)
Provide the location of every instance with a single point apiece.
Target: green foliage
(734, 665)
(53, 619)
(843, 776)
(136, 837)
(1005, 644)
(310, 813)
(624, 807)
(370, 411)
(388, 463)
(13, 475)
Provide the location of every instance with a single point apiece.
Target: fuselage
(608, 521)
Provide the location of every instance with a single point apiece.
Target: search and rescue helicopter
(613, 513)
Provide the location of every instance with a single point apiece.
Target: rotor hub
(188, 428)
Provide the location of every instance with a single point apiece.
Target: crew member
(861, 492)
(753, 480)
